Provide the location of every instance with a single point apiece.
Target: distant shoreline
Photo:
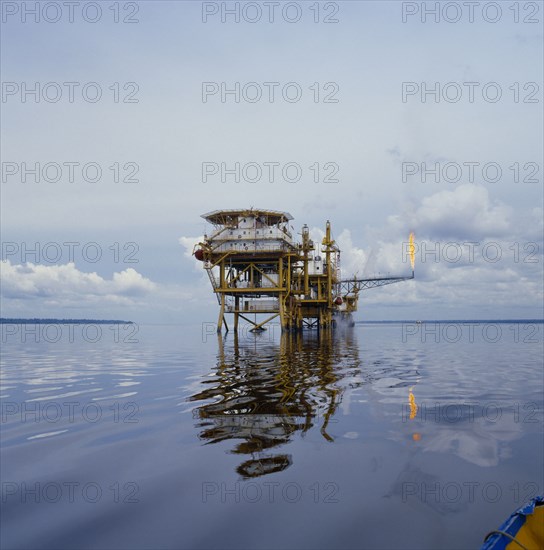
(423, 321)
(26, 321)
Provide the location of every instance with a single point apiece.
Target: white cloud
(65, 284)
(189, 244)
(450, 273)
(467, 212)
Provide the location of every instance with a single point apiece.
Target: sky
(386, 117)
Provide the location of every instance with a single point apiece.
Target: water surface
(381, 436)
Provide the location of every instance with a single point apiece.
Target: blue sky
(368, 134)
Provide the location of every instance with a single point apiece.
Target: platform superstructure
(259, 272)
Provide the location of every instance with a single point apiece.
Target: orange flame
(412, 249)
(413, 404)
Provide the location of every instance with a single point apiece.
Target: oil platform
(256, 268)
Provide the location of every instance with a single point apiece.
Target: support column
(221, 313)
(282, 313)
(299, 323)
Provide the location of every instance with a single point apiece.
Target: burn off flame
(412, 403)
(412, 250)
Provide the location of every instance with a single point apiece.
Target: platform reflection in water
(260, 395)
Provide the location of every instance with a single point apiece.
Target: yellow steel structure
(256, 268)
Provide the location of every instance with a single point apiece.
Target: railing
(242, 247)
(254, 306)
(352, 286)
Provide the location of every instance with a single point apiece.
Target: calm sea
(381, 436)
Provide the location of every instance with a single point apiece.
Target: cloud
(353, 259)
(467, 213)
(67, 285)
(188, 244)
(471, 251)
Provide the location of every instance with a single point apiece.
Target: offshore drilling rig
(256, 268)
